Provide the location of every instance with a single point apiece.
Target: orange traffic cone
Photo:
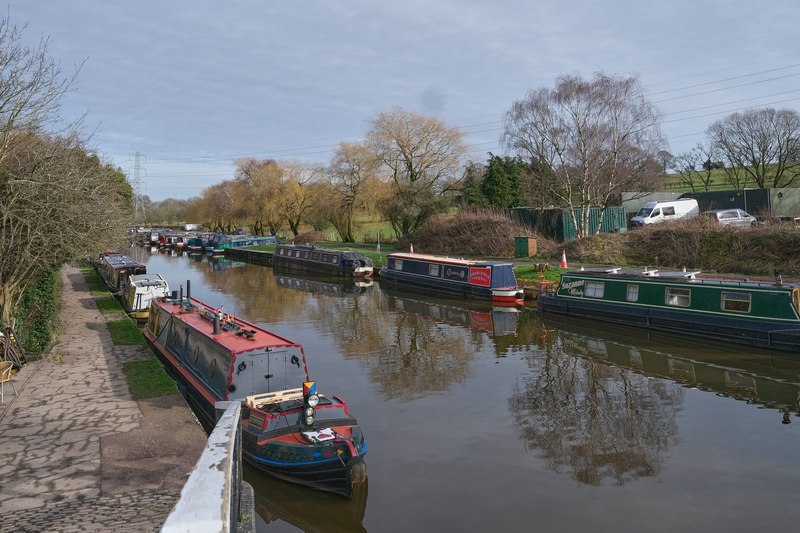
(411, 248)
(564, 259)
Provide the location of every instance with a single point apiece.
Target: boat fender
(241, 367)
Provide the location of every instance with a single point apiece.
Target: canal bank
(79, 454)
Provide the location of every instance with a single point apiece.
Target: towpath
(77, 453)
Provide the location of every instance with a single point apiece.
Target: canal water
(486, 419)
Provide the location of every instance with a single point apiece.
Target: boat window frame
(325, 257)
(434, 270)
(594, 286)
(335, 259)
(628, 291)
(725, 297)
(679, 299)
(315, 256)
(397, 265)
(305, 255)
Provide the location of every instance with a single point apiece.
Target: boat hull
(762, 333)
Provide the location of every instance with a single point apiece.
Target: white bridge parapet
(210, 499)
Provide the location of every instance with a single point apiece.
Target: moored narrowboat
(291, 432)
(762, 313)
(219, 242)
(485, 280)
(312, 260)
(115, 269)
(140, 291)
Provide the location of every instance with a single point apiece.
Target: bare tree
(351, 168)
(597, 138)
(261, 197)
(422, 157)
(696, 167)
(762, 146)
(57, 203)
(296, 197)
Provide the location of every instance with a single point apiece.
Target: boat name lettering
(572, 284)
(480, 276)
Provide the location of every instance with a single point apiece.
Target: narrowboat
(115, 269)
(140, 291)
(763, 313)
(289, 430)
(312, 260)
(484, 280)
(219, 242)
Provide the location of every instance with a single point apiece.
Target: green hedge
(37, 313)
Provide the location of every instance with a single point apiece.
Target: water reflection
(752, 375)
(322, 285)
(304, 508)
(591, 408)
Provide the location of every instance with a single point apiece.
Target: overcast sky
(192, 85)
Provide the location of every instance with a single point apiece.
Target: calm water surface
(480, 419)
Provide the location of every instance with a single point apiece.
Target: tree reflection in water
(594, 421)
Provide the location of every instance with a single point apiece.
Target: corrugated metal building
(556, 223)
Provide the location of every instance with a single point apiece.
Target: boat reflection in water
(304, 508)
(327, 285)
(757, 376)
(475, 314)
(219, 263)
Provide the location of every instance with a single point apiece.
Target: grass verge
(147, 379)
(109, 305)
(531, 274)
(125, 332)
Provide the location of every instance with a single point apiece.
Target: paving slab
(79, 453)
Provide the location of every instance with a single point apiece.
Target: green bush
(37, 313)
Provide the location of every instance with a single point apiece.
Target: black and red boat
(291, 432)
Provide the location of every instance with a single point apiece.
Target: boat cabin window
(679, 297)
(736, 302)
(595, 289)
(433, 270)
(324, 258)
(315, 256)
(334, 259)
(633, 293)
(305, 255)
(398, 264)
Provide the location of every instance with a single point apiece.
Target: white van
(653, 212)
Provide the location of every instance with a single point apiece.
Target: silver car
(731, 217)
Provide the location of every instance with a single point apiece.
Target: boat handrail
(613, 270)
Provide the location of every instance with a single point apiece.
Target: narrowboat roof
(693, 277)
(144, 280)
(120, 261)
(311, 247)
(449, 260)
(236, 335)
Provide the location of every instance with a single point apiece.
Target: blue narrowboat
(484, 280)
(763, 313)
(312, 260)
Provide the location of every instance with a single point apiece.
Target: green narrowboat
(763, 313)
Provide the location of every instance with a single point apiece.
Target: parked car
(731, 217)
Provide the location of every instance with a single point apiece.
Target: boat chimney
(181, 299)
(216, 324)
(174, 295)
(188, 290)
